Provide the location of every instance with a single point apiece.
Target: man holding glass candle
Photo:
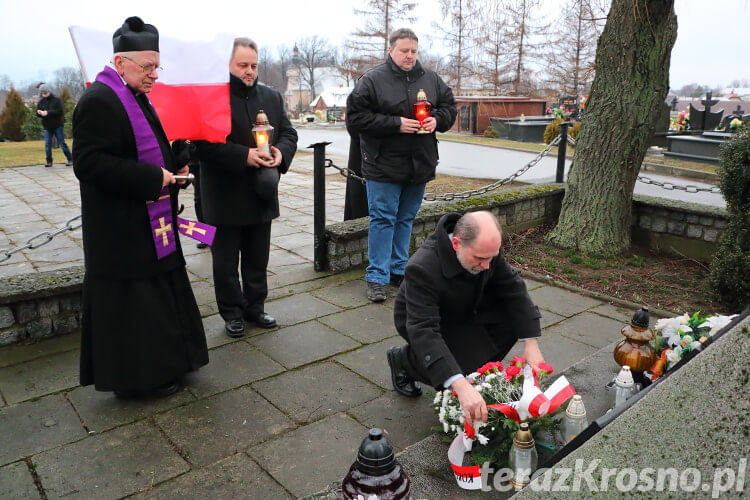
(399, 151)
(239, 189)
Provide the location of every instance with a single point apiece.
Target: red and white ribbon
(533, 403)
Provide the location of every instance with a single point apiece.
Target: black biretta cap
(135, 35)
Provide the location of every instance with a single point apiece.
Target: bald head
(476, 239)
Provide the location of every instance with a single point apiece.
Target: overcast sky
(713, 38)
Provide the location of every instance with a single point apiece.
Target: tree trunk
(631, 83)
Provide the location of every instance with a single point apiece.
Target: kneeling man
(460, 306)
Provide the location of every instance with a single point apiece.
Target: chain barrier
(41, 239)
(669, 186)
(463, 194)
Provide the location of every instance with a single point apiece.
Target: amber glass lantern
(422, 110)
(635, 350)
(523, 457)
(262, 133)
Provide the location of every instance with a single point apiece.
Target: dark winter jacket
(440, 307)
(54, 108)
(115, 186)
(380, 98)
(228, 183)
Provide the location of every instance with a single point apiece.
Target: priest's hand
(532, 353)
(408, 126)
(183, 171)
(430, 124)
(276, 157)
(167, 177)
(471, 401)
(257, 158)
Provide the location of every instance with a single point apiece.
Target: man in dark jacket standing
(239, 191)
(460, 305)
(50, 108)
(396, 160)
(141, 328)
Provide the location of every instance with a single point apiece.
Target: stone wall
(679, 228)
(676, 227)
(40, 305)
(517, 210)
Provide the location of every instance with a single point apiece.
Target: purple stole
(159, 211)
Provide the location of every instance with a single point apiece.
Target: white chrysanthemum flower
(490, 377)
(479, 388)
(483, 440)
(438, 397)
(446, 427)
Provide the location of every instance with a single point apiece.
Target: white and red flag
(191, 95)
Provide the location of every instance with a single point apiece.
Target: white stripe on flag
(184, 62)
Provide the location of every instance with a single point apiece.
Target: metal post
(319, 204)
(561, 150)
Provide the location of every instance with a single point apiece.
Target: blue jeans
(58, 132)
(392, 209)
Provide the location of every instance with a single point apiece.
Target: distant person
(239, 192)
(141, 327)
(50, 109)
(355, 200)
(396, 161)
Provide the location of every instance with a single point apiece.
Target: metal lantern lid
(375, 455)
(421, 95)
(625, 377)
(575, 407)
(640, 318)
(523, 438)
(261, 119)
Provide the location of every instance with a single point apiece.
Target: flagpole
(78, 55)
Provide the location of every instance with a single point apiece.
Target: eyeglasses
(147, 68)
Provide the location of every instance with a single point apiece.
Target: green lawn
(16, 154)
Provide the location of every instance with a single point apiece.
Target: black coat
(228, 184)
(115, 186)
(380, 98)
(440, 305)
(55, 116)
(355, 201)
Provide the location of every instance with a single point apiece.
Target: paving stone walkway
(276, 414)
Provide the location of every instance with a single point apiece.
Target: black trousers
(502, 345)
(252, 243)
(195, 169)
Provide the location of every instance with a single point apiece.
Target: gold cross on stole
(162, 231)
(190, 227)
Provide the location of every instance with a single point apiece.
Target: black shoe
(235, 328)
(375, 292)
(158, 392)
(69, 164)
(265, 320)
(202, 245)
(402, 384)
(47, 164)
(396, 280)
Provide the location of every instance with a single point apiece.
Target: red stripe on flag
(467, 470)
(536, 404)
(561, 397)
(194, 112)
(507, 410)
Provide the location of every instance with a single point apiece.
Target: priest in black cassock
(141, 328)
(239, 192)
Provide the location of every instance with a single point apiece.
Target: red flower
(484, 368)
(512, 371)
(454, 394)
(498, 365)
(545, 369)
(517, 361)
